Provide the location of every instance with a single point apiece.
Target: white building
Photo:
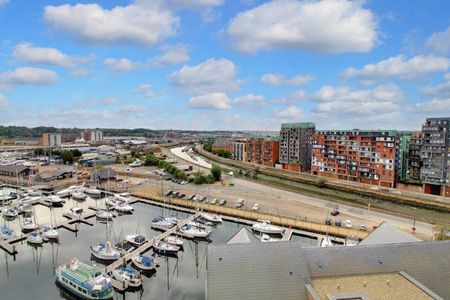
(239, 151)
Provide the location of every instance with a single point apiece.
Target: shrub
(321, 183)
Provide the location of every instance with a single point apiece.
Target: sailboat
(128, 276)
(173, 240)
(124, 207)
(6, 232)
(35, 239)
(162, 247)
(214, 218)
(144, 263)
(105, 251)
(28, 224)
(265, 227)
(48, 231)
(103, 214)
(79, 196)
(54, 200)
(11, 213)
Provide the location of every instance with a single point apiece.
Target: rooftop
(298, 125)
(387, 234)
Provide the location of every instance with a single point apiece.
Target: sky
(224, 64)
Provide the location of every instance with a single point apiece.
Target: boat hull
(74, 292)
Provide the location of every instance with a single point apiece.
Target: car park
(348, 224)
(338, 222)
(222, 202)
(256, 206)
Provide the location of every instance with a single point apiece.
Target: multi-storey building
(263, 151)
(222, 144)
(296, 146)
(403, 153)
(356, 155)
(435, 155)
(239, 150)
(51, 139)
(414, 160)
(94, 136)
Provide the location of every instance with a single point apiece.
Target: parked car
(184, 182)
(348, 224)
(139, 183)
(328, 221)
(204, 198)
(256, 206)
(181, 195)
(222, 202)
(239, 203)
(198, 198)
(168, 193)
(334, 212)
(175, 194)
(338, 222)
(214, 201)
(362, 227)
(191, 197)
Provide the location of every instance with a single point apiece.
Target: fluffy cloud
(4, 104)
(121, 65)
(292, 98)
(27, 76)
(439, 42)
(388, 92)
(363, 107)
(91, 23)
(249, 99)
(218, 101)
(434, 106)
(213, 75)
(399, 66)
(186, 4)
(326, 26)
(278, 79)
(290, 113)
(172, 55)
(146, 90)
(440, 90)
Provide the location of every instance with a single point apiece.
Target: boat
(265, 227)
(54, 200)
(35, 238)
(105, 251)
(194, 231)
(79, 196)
(161, 224)
(26, 209)
(93, 193)
(112, 201)
(135, 239)
(173, 220)
(71, 189)
(127, 276)
(6, 232)
(135, 163)
(50, 233)
(214, 218)
(326, 242)
(124, 208)
(11, 213)
(73, 213)
(103, 214)
(28, 224)
(34, 193)
(162, 247)
(173, 240)
(84, 281)
(267, 238)
(144, 263)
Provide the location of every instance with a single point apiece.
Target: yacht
(84, 281)
(26, 209)
(105, 251)
(28, 224)
(267, 238)
(265, 227)
(6, 232)
(214, 218)
(11, 213)
(124, 208)
(173, 220)
(93, 193)
(135, 239)
(73, 213)
(35, 238)
(144, 263)
(128, 276)
(173, 240)
(50, 233)
(54, 200)
(161, 224)
(191, 230)
(165, 248)
(112, 201)
(34, 193)
(103, 214)
(79, 196)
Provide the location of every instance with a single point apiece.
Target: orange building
(356, 155)
(222, 144)
(263, 151)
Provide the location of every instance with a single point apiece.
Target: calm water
(31, 275)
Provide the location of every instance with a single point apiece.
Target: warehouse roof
(243, 236)
(13, 168)
(386, 234)
(221, 142)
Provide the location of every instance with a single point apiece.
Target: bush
(216, 171)
(321, 183)
(151, 160)
(222, 153)
(199, 178)
(210, 179)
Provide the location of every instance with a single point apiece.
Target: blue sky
(222, 64)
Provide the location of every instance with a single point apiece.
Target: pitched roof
(221, 142)
(13, 168)
(104, 173)
(243, 236)
(386, 234)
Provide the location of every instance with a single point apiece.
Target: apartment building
(263, 151)
(51, 139)
(363, 156)
(414, 160)
(435, 155)
(94, 136)
(403, 157)
(239, 150)
(296, 146)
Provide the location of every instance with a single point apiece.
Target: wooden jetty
(148, 244)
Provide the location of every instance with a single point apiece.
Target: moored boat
(11, 213)
(73, 213)
(79, 196)
(135, 239)
(54, 200)
(49, 232)
(127, 276)
(93, 193)
(6, 232)
(28, 224)
(144, 263)
(191, 230)
(105, 251)
(161, 224)
(124, 207)
(266, 227)
(35, 239)
(214, 218)
(173, 240)
(162, 247)
(103, 214)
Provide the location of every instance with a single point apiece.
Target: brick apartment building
(296, 146)
(263, 151)
(356, 155)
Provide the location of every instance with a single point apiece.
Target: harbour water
(31, 275)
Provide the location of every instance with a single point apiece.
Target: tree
(151, 160)
(207, 145)
(67, 157)
(216, 172)
(210, 179)
(76, 153)
(321, 183)
(199, 178)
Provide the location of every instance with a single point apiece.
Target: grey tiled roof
(243, 236)
(261, 270)
(386, 234)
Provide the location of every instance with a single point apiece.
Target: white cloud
(191, 4)
(292, 98)
(249, 99)
(90, 23)
(217, 101)
(121, 65)
(388, 92)
(440, 90)
(146, 90)
(435, 106)
(279, 79)
(362, 107)
(326, 26)
(109, 101)
(399, 66)
(173, 55)
(439, 42)
(4, 104)
(290, 113)
(213, 75)
(27, 76)
(3, 2)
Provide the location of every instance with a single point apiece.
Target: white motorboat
(124, 207)
(71, 189)
(173, 220)
(136, 163)
(26, 209)
(11, 213)
(105, 251)
(34, 193)
(266, 227)
(173, 240)
(112, 201)
(73, 213)
(54, 200)
(135, 239)
(35, 238)
(50, 233)
(214, 218)
(191, 230)
(144, 263)
(127, 276)
(326, 242)
(103, 214)
(79, 196)
(28, 224)
(161, 224)
(93, 193)
(267, 238)
(165, 248)
(6, 232)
